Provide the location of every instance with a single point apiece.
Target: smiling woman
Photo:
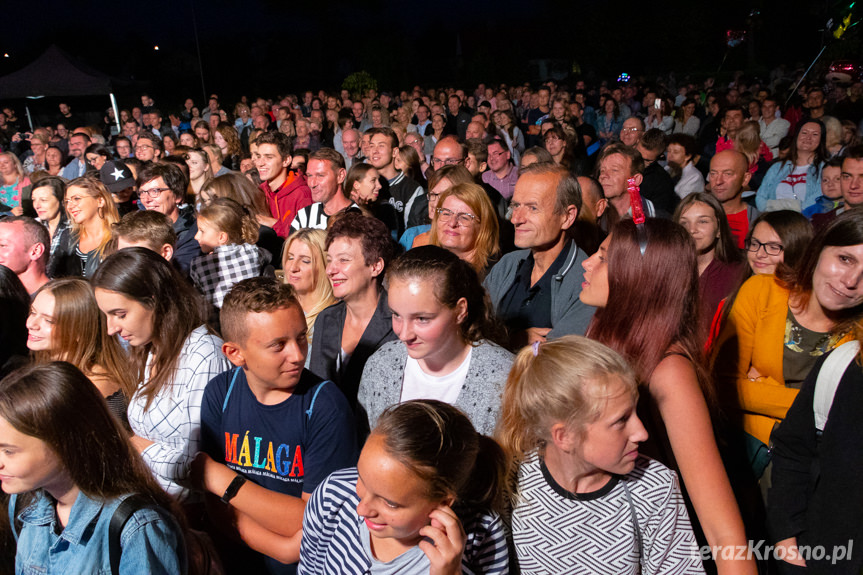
(443, 318)
(91, 213)
(422, 499)
(779, 327)
(359, 248)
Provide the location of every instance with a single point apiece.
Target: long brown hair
(56, 403)
(726, 249)
(653, 301)
(845, 230)
(145, 277)
(80, 334)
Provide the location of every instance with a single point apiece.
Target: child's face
(275, 349)
(393, 499)
(611, 442)
(27, 463)
(831, 182)
(208, 236)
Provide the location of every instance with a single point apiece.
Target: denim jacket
(151, 541)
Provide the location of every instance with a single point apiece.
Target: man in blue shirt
(270, 430)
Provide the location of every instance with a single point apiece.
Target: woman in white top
(687, 122)
(443, 319)
(173, 355)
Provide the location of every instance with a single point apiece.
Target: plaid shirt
(216, 273)
(173, 422)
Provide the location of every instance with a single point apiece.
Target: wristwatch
(233, 488)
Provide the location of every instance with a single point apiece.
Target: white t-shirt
(793, 186)
(420, 385)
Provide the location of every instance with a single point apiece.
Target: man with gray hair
(535, 289)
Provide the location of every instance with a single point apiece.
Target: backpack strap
(311, 408)
(230, 388)
(13, 508)
(828, 380)
(121, 516)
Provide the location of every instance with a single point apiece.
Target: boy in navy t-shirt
(271, 431)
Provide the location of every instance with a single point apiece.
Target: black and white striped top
(313, 216)
(555, 531)
(332, 534)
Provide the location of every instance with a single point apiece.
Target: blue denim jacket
(151, 541)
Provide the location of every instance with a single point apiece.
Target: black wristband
(233, 488)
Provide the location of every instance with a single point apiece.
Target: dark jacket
(187, 247)
(328, 344)
(815, 494)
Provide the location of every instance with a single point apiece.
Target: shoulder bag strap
(121, 515)
(828, 380)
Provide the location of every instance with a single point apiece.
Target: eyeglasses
(630, 130)
(462, 218)
(75, 200)
(770, 248)
(433, 197)
(449, 162)
(142, 147)
(154, 192)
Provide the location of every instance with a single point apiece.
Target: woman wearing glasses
(465, 224)
(777, 239)
(91, 212)
(780, 325)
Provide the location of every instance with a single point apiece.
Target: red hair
(653, 301)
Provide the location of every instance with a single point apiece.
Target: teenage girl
(173, 356)
(62, 448)
(419, 501)
(584, 500)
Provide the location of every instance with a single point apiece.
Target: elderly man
(535, 289)
(630, 133)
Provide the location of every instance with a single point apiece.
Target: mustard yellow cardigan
(754, 335)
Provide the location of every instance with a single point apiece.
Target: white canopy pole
(116, 113)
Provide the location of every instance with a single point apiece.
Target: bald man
(728, 177)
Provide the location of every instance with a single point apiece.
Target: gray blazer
(480, 397)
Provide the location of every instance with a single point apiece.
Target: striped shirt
(173, 421)
(332, 534)
(313, 216)
(636, 523)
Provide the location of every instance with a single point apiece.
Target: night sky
(274, 47)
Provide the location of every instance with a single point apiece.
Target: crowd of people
(537, 329)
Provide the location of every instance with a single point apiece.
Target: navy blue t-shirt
(290, 447)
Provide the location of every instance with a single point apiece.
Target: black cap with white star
(116, 176)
